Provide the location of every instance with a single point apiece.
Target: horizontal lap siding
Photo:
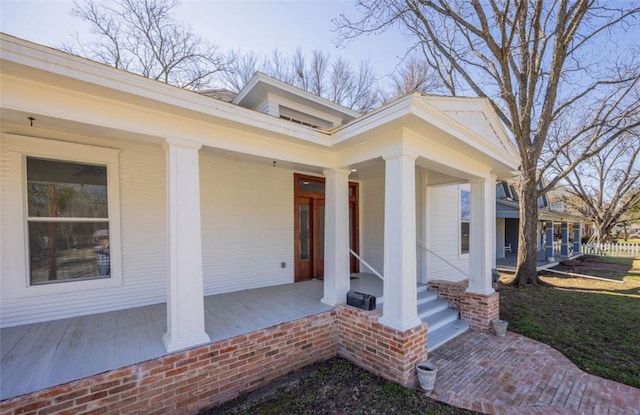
(444, 234)
(247, 224)
(144, 245)
(372, 223)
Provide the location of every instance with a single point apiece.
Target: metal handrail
(421, 245)
(366, 264)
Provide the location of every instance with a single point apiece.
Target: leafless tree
(535, 60)
(331, 78)
(414, 75)
(141, 36)
(606, 187)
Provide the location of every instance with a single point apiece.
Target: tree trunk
(603, 232)
(527, 240)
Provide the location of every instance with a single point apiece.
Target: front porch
(509, 262)
(41, 355)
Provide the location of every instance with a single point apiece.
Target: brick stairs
(443, 322)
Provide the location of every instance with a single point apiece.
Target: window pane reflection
(64, 189)
(66, 251)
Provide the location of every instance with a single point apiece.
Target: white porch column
(336, 237)
(185, 302)
(400, 306)
(481, 235)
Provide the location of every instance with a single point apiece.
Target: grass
(613, 268)
(334, 387)
(596, 324)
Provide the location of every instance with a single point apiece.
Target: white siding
(372, 222)
(142, 215)
(247, 224)
(444, 234)
(247, 231)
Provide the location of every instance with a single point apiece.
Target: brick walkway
(517, 375)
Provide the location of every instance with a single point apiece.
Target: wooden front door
(309, 226)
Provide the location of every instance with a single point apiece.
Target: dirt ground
(331, 388)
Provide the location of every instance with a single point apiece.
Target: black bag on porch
(361, 300)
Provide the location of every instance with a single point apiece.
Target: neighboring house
(118, 191)
(559, 230)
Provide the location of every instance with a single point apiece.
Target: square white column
(481, 235)
(400, 305)
(185, 297)
(336, 237)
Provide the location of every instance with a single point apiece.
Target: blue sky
(260, 26)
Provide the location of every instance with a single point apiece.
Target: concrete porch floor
(517, 375)
(40, 355)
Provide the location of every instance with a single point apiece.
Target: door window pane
(312, 186)
(305, 237)
(321, 232)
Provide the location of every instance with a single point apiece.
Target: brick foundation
(183, 382)
(380, 349)
(449, 291)
(206, 376)
(479, 310)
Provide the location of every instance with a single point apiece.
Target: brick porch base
(205, 376)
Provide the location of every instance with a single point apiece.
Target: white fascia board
(74, 68)
(372, 120)
(89, 110)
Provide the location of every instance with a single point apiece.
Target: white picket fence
(611, 249)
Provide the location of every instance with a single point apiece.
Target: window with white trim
(64, 198)
(68, 221)
(465, 220)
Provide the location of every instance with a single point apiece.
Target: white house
(197, 197)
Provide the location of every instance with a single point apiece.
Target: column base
(173, 344)
(479, 309)
(392, 354)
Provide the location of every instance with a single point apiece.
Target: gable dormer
(271, 96)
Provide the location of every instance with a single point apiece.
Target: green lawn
(596, 324)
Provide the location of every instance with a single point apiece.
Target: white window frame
(17, 278)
